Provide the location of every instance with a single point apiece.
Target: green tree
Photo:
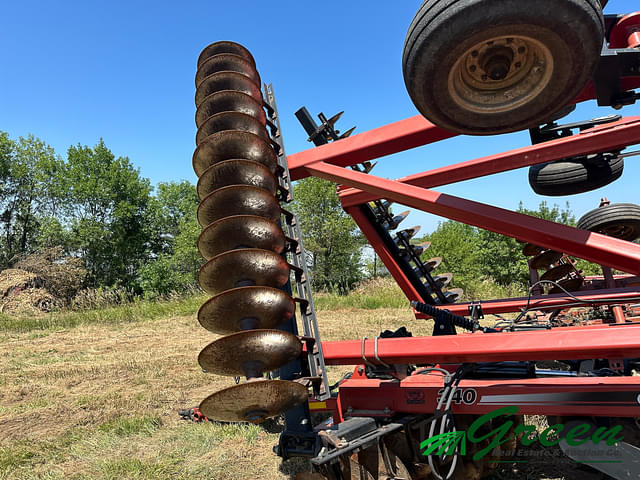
(174, 259)
(172, 203)
(29, 170)
(330, 235)
(106, 203)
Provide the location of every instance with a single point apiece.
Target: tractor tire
(483, 67)
(571, 176)
(618, 220)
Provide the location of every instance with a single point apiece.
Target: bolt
(387, 410)
(442, 326)
(472, 68)
(360, 370)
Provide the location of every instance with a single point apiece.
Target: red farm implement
(571, 354)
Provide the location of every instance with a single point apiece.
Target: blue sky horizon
(75, 72)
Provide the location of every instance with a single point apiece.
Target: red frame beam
(596, 341)
(612, 136)
(392, 138)
(591, 246)
(417, 394)
(547, 302)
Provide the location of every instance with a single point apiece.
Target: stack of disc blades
(435, 285)
(558, 268)
(241, 240)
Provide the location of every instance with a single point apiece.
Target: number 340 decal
(468, 396)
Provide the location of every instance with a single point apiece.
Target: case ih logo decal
(415, 397)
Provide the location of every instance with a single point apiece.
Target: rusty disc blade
(226, 62)
(237, 200)
(544, 259)
(558, 272)
(225, 46)
(243, 268)
(240, 231)
(569, 284)
(229, 101)
(443, 279)
(236, 172)
(250, 353)
(233, 144)
(432, 263)
(453, 295)
(246, 308)
(529, 250)
(230, 121)
(221, 81)
(254, 401)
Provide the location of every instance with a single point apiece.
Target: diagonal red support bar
(612, 136)
(395, 137)
(591, 246)
(610, 341)
(387, 258)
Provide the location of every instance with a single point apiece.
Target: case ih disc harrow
(491, 78)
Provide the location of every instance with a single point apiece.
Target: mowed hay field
(95, 395)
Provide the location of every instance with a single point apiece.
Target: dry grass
(100, 401)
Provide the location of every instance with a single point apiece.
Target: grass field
(95, 395)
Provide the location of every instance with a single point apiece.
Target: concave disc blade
(250, 353)
(236, 172)
(569, 284)
(254, 401)
(453, 295)
(230, 121)
(443, 279)
(544, 259)
(558, 272)
(221, 81)
(237, 200)
(233, 144)
(243, 268)
(229, 101)
(225, 46)
(240, 231)
(246, 308)
(432, 263)
(529, 250)
(226, 62)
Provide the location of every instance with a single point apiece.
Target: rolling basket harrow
(468, 71)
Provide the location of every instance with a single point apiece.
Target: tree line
(97, 207)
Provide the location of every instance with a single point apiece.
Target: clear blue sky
(73, 72)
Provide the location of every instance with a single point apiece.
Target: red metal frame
(595, 341)
(607, 396)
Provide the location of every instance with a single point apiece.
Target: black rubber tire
(577, 175)
(618, 220)
(443, 31)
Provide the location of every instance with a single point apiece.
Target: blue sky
(73, 72)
